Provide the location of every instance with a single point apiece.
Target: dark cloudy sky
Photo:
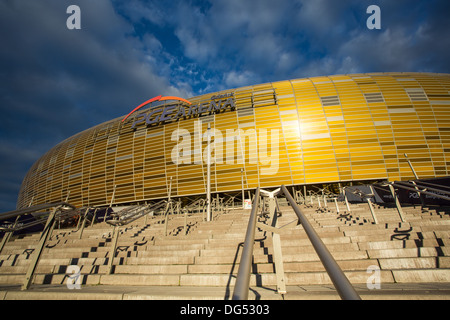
(56, 82)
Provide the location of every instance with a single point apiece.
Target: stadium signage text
(170, 112)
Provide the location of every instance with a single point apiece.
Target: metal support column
(170, 190)
(397, 202)
(336, 203)
(112, 252)
(169, 206)
(208, 174)
(422, 201)
(185, 221)
(94, 217)
(411, 166)
(304, 194)
(5, 240)
(45, 235)
(84, 223)
(166, 218)
(242, 188)
(277, 253)
(346, 200)
(372, 211)
(8, 235)
(110, 204)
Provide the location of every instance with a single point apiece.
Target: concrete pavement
(390, 291)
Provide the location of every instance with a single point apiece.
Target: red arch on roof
(174, 98)
(158, 98)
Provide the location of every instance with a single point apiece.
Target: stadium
(314, 131)
(190, 198)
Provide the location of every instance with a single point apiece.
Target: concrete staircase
(415, 252)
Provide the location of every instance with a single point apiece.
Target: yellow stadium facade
(311, 131)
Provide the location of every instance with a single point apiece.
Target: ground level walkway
(390, 291)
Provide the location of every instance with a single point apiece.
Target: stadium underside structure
(321, 131)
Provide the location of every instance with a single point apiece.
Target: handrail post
(166, 217)
(84, 222)
(372, 210)
(110, 204)
(112, 252)
(185, 221)
(93, 218)
(304, 194)
(242, 188)
(241, 287)
(208, 174)
(422, 201)
(8, 235)
(45, 235)
(397, 202)
(5, 240)
(336, 204)
(346, 200)
(276, 241)
(337, 276)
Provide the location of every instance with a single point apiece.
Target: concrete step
(415, 251)
(414, 263)
(393, 291)
(413, 243)
(421, 275)
(160, 260)
(409, 252)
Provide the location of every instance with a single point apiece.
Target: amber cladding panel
(304, 131)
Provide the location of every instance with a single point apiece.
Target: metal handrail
(432, 184)
(130, 214)
(337, 276)
(69, 210)
(359, 193)
(242, 284)
(55, 213)
(196, 205)
(412, 187)
(38, 207)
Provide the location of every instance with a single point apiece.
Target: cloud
(398, 48)
(57, 82)
(15, 159)
(139, 11)
(235, 79)
(239, 35)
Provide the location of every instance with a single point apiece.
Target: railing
(49, 214)
(420, 187)
(337, 276)
(128, 215)
(38, 218)
(242, 284)
(32, 209)
(132, 213)
(364, 196)
(415, 186)
(58, 210)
